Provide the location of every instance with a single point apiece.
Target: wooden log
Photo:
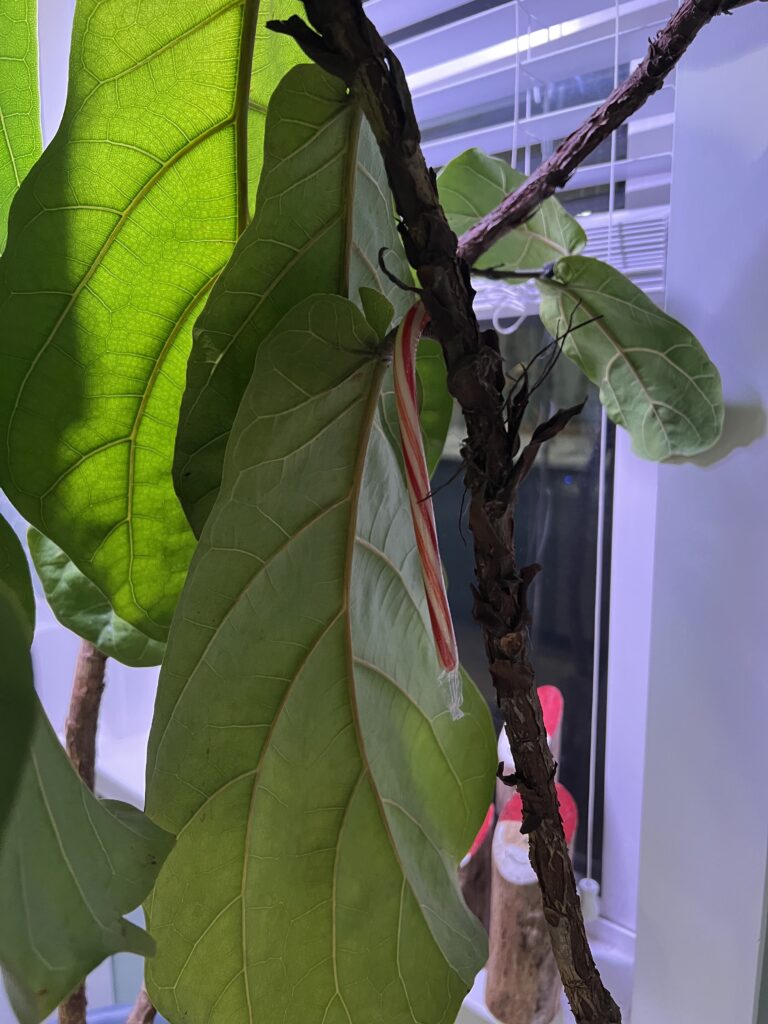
(522, 984)
(475, 871)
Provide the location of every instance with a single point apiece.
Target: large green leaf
(20, 138)
(14, 573)
(302, 749)
(472, 184)
(323, 213)
(70, 867)
(79, 605)
(115, 238)
(655, 378)
(17, 697)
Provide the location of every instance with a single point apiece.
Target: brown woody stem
(648, 77)
(82, 722)
(143, 1011)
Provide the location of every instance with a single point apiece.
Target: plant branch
(143, 1011)
(81, 726)
(648, 77)
(344, 42)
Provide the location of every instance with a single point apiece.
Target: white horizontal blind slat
(490, 87)
(391, 16)
(487, 28)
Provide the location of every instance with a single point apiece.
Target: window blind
(516, 77)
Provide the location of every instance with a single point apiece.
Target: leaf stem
(143, 1011)
(81, 726)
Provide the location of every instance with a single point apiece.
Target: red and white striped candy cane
(419, 494)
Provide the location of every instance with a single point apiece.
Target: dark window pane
(556, 527)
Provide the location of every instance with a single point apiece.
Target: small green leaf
(302, 749)
(377, 310)
(323, 213)
(79, 605)
(14, 573)
(472, 184)
(20, 138)
(115, 238)
(70, 867)
(655, 378)
(17, 697)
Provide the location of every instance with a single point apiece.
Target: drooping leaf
(302, 749)
(17, 698)
(79, 605)
(115, 239)
(323, 213)
(20, 138)
(14, 573)
(472, 184)
(655, 378)
(70, 867)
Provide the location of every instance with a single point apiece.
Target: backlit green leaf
(472, 184)
(115, 239)
(79, 605)
(17, 696)
(70, 867)
(655, 378)
(14, 573)
(323, 213)
(302, 749)
(20, 140)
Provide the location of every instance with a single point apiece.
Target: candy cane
(419, 495)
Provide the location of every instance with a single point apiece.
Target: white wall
(705, 811)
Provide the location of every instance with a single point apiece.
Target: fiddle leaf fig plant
(203, 278)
